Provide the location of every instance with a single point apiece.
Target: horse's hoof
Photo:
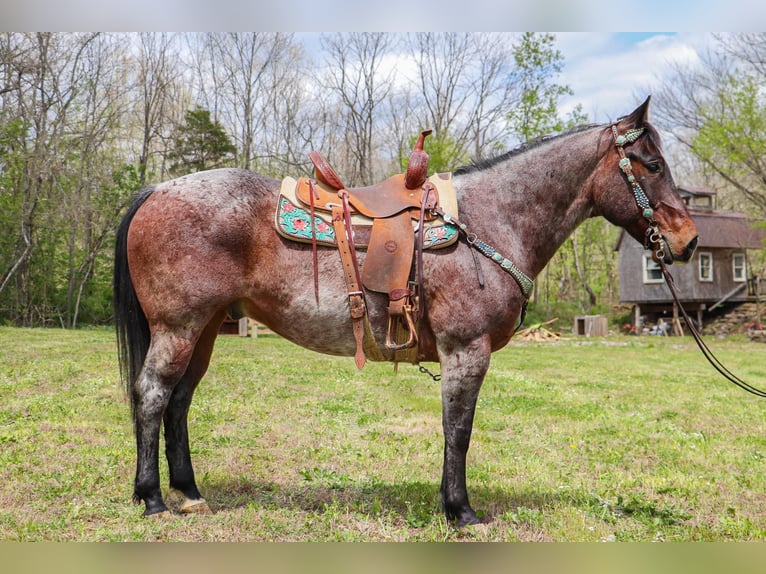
(198, 506)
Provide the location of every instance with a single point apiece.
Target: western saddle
(392, 205)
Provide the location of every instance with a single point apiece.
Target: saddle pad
(294, 222)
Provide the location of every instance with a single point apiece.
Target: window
(739, 267)
(706, 266)
(652, 271)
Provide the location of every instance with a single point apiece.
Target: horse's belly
(322, 328)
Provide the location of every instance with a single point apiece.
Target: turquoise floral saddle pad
(293, 218)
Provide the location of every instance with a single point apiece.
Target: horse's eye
(654, 167)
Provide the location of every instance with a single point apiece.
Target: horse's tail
(129, 320)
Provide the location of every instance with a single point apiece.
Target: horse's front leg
(463, 372)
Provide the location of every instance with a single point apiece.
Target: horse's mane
(480, 164)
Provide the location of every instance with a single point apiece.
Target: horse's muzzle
(669, 256)
(688, 251)
(684, 256)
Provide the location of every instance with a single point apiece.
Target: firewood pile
(538, 333)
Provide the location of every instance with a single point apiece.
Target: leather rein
(654, 241)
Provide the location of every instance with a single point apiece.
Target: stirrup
(411, 341)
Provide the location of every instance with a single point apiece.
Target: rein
(654, 241)
(712, 359)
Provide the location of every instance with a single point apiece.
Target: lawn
(605, 439)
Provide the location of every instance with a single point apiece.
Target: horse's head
(636, 191)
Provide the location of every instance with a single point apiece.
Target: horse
(192, 248)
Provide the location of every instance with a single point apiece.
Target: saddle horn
(417, 166)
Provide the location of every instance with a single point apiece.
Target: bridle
(653, 235)
(654, 240)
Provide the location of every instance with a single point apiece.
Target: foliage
(714, 108)
(732, 137)
(201, 144)
(538, 62)
(588, 439)
(443, 153)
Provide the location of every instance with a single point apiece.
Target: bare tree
(248, 74)
(747, 48)
(89, 205)
(465, 92)
(356, 74)
(159, 102)
(715, 110)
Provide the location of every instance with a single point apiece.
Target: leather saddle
(388, 198)
(392, 205)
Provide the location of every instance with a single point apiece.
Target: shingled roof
(723, 230)
(728, 230)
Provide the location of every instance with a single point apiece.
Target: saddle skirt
(293, 216)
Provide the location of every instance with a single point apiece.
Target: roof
(728, 230)
(690, 190)
(724, 230)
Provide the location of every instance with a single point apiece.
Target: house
(718, 272)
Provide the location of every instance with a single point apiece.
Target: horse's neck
(528, 205)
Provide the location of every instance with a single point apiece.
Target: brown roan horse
(192, 248)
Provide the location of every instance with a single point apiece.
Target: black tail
(129, 319)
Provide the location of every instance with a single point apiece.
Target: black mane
(481, 164)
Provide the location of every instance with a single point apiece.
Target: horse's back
(216, 191)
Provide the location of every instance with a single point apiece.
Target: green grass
(623, 438)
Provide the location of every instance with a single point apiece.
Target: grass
(621, 438)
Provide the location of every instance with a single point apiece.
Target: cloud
(610, 74)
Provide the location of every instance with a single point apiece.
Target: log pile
(538, 333)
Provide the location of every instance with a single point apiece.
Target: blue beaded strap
(620, 141)
(487, 250)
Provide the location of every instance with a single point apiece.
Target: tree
(201, 144)
(46, 74)
(715, 110)
(538, 62)
(465, 91)
(250, 82)
(157, 73)
(356, 75)
(732, 138)
(91, 203)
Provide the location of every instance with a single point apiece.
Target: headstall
(653, 237)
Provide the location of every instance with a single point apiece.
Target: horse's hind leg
(165, 363)
(176, 425)
(462, 375)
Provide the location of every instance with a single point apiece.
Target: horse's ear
(640, 115)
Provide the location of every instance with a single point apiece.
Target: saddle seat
(385, 199)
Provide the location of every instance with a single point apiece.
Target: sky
(610, 73)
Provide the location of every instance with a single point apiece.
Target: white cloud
(610, 74)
